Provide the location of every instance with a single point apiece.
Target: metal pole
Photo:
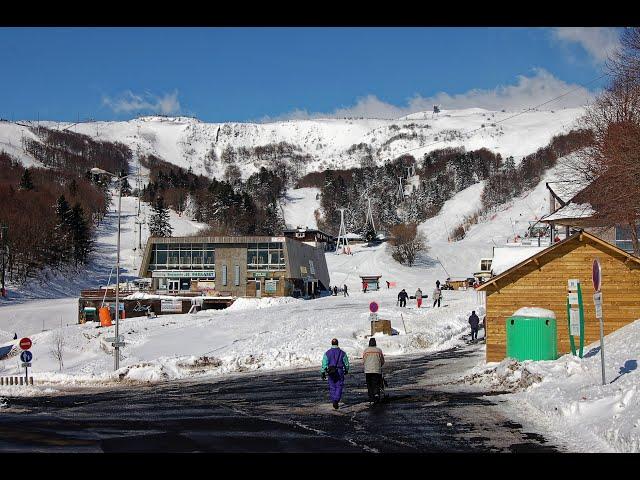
(116, 350)
(26, 375)
(602, 350)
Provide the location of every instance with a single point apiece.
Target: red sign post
(25, 343)
(596, 275)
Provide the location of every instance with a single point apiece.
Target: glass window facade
(185, 256)
(265, 256)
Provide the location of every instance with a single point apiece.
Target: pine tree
(80, 234)
(25, 182)
(159, 225)
(60, 246)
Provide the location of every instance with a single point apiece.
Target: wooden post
(31, 380)
(11, 378)
(21, 381)
(1, 380)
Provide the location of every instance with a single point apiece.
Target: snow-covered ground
(286, 333)
(566, 399)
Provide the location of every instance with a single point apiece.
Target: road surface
(274, 412)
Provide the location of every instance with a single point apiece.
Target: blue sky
(249, 74)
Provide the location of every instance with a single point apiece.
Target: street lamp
(116, 351)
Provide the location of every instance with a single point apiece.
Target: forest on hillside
(441, 173)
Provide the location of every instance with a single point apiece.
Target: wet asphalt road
(274, 412)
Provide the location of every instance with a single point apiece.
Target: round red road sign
(373, 307)
(25, 343)
(596, 275)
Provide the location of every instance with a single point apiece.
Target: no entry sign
(373, 307)
(25, 343)
(596, 275)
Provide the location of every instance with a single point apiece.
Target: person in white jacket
(419, 297)
(373, 362)
(436, 297)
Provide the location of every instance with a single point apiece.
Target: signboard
(373, 307)
(373, 317)
(113, 339)
(574, 322)
(27, 364)
(171, 306)
(573, 298)
(270, 286)
(277, 239)
(26, 356)
(596, 275)
(118, 344)
(25, 343)
(597, 300)
(180, 274)
(573, 284)
(303, 270)
(259, 274)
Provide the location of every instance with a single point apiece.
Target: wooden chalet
(541, 281)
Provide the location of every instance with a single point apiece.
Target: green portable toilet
(532, 334)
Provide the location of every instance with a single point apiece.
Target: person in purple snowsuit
(335, 364)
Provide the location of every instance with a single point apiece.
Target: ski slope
(25, 310)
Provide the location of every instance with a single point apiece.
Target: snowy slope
(36, 314)
(258, 333)
(299, 206)
(186, 141)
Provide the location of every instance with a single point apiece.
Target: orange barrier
(105, 317)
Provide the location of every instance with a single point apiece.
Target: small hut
(371, 282)
(541, 281)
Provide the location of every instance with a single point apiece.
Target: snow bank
(535, 312)
(566, 398)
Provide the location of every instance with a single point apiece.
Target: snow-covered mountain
(318, 144)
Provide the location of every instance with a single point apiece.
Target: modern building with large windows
(247, 266)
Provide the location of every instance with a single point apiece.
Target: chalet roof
(506, 257)
(564, 190)
(569, 211)
(578, 237)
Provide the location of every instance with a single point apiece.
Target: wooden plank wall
(545, 286)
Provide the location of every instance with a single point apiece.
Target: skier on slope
(436, 296)
(402, 298)
(335, 364)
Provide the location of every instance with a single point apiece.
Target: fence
(15, 381)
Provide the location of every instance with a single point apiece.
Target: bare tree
(611, 164)
(407, 242)
(57, 348)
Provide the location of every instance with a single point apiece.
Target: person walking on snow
(402, 298)
(474, 321)
(419, 297)
(365, 285)
(437, 283)
(373, 362)
(335, 290)
(387, 284)
(335, 364)
(436, 296)
(345, 290)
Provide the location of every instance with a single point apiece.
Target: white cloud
(128, 101)
(527, 92)
(598, 42)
